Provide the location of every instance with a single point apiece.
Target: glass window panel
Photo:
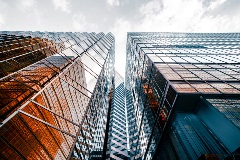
(69, 53)
(225, 88)
(185, 88)
(178, 59)
(190, 60)
(22, 139)
(167, 59)
(96, 56)
(203, 87)
(154, 58)
(171, 95)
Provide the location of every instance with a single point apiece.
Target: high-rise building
(117, 133)
(62, 99)
(55, 90)
(183, 95)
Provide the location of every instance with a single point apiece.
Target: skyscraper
(183, 95)
(117, 133)
(62, 99)
(48, 109)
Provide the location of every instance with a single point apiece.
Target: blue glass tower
(183, 95)
(117, 135)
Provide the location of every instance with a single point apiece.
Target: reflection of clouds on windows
(69, 52)
(90, 81)
(96, 56)
(78, 49)
(100, 51)
(66, 44)
(92, 70)
(91, 65)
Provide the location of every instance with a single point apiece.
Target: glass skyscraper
(48, 109)
(117, 134)
(61, 97)
(183, 95)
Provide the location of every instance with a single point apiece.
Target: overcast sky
(120, 17)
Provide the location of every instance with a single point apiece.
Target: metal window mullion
(80, 154)
(21, 69)
(26, 125)
(198, 76)
(59, 145)
(68, 102)
(12, 58)
(46, 123)
(23, 84)
(94, 59)
(72, 94)
(218, 78)
(55, 114)
(72, 61)
(74, 88)
(33, 81)
(75, 82)
(181, 76)
(60, 105)
(12, 147)
(98, 52)
(50, 83)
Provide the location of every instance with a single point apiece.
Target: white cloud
(63, 5)
(152, 7)
(215, 3)
(176, 16)
(26, 5)
(2, 20)
(81, 24)
(113, 2)
(186, 16)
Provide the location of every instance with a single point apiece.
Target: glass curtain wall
(48, 108)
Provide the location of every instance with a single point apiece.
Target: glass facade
(168, 76)
(117, 134)
(62, 99)
(48, 109)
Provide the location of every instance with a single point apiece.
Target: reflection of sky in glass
(87, 61)
(91, 69)
(78, 49)
(69, 52)
(90, 59)
(90, 81)
(100, 51)
(96, 56)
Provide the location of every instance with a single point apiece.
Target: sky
(120, 17)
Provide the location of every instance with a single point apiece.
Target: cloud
(187, 16)
(178, 16)
(153, 7)
(81, 24)
(2, 20)
(113, 2)
(63, 5)
(26, 5)
(215, 4)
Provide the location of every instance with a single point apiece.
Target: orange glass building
(47, 80)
